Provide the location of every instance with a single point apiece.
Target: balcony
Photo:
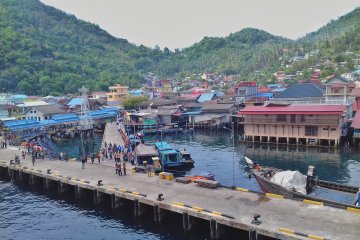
(288, 122)
(309, 101)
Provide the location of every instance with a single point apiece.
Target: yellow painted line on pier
(313, 202)
(197, 208)
(316, 237)
(286, 230)
(216, 213)
(3, 161)
(274, 195)
(242, 189)
(178, 204)
(135, 193)
(122, 190)
(355, 210)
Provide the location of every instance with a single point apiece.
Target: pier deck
(325, 222)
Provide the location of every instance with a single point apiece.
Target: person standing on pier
(99, 156)
(92, 158)
(33, 159)
(148, 170)
(119, 169)
(23, 154)
(83, 160)
(124, 168)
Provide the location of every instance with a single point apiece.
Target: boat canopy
(291, 180)
(143, 150)
(162, 146)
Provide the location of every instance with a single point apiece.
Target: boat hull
(269, 187)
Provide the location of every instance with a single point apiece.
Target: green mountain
(334, 29)
(46, 51)
(243, 52)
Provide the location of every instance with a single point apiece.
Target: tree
(133, 102)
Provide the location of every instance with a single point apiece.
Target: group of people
(120, 168)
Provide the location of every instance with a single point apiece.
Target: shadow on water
(30, 212)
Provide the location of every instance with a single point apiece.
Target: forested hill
(46, 51)
(334, 29)
(242, 52)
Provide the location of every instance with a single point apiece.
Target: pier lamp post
(233, 157)
(162, 159)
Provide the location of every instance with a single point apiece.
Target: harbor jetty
(222, 208)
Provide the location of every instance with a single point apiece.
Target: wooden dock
(281, 218)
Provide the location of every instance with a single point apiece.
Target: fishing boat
(186, 158)
(293, 184)
(169, 157)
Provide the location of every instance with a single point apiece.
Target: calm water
(33, 214)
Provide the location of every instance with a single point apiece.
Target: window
(293, 118)
(302, 119)
(311, 130)
(281, 118)
(333, 129)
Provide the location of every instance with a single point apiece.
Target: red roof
(245, 84)
(294, 109)
(264, 89)
(356, 121)
(355, 106)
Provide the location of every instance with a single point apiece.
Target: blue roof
(268, 95)
(206, 97)
(19, 96)
(219, 94)
(302, 90)
(59, 119)
(75, 102)
(191, 113)
(162, 146)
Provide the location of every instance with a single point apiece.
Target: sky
(181, 23)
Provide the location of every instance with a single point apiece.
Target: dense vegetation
(46, 51)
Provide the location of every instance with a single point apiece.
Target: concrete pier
(281, 218)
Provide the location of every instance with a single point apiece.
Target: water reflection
(212, 151)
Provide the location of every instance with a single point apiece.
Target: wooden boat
(186, 158)
(314, 187)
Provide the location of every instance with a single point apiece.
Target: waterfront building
(45, 112)
(212, 114)
(294, 124)
(156, 103)
(245, 91)
(117, 92)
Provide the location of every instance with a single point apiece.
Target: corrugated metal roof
(294, 109)
(217, 106)
(75, 102)
(206, 97)
(301, 90)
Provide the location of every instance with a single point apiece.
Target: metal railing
(309, 101)
(297, 122)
